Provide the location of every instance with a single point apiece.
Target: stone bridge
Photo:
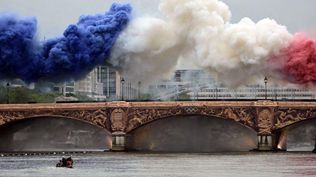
(120, 118)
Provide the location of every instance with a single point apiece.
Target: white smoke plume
(150, 47)
(145, 49)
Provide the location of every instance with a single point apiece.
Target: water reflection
(165, 165)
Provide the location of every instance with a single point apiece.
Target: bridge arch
(136, 123)
(192, 133)
(294, 122)
(98, 123)
(297, 135)
(53, 133)
(139, 117)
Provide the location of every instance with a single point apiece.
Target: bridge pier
(118, 141)
(266, 142)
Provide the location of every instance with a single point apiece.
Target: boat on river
(65, 162)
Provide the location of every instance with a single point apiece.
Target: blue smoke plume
(82, 47)
(16, 43)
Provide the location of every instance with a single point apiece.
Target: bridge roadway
(119, 118)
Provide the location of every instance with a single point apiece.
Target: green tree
(19, 95)
(82, 97)
(184, 96)
(44, 97)
(3, 95)
(181, 96)
(145, 96)
(25, 95)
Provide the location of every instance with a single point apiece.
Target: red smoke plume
(299, 60)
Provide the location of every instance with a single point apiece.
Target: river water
(164, 165)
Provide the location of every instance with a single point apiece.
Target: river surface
(164, 165)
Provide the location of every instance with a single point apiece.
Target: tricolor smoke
(297, 62)
(199, 30)
(82, 47)
(150, 48)
(16, 45)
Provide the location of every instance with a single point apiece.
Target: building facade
(91, 86)
(199, 85)
(102, 84)
(110, 79)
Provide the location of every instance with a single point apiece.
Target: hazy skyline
(54, 16)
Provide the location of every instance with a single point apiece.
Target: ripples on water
(164, 165)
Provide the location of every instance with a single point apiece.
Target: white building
(102, 83)
(115, 86)
(89, 86)
(199, 85)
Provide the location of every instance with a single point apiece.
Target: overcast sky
(55, 15)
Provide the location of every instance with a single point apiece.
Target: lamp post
(265, 87)
(122, 88)
(8, 93)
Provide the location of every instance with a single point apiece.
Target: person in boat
(60, 163)
(69, 162)
(65, 162)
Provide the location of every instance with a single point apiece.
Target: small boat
(65, 162)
